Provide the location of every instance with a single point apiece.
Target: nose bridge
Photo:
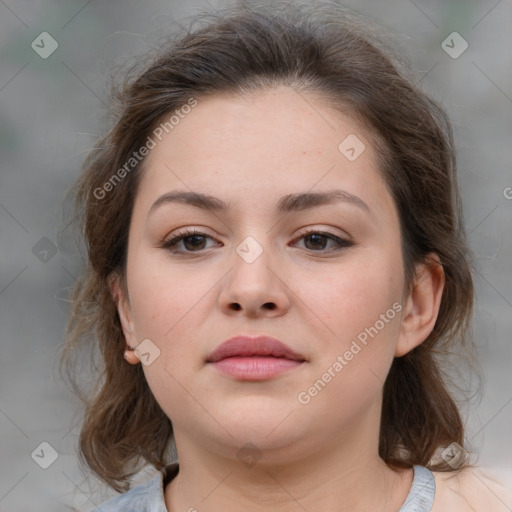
(252, 262)
(252, 285)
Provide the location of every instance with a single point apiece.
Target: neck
(345, 476)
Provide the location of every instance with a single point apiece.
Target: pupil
(317, 240)
(196, 240)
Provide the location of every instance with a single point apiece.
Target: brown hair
(326, 50)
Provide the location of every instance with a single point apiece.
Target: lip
(246, 346)
(254, 358)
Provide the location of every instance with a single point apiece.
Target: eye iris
(319, 241)
(197, 241)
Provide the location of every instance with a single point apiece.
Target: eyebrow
(289, 203)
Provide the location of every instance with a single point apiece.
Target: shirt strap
(422, 493)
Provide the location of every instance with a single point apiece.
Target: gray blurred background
(52, 109)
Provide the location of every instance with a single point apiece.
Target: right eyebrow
(204, 201)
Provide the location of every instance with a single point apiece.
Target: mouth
(246, 358)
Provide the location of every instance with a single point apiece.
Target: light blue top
(423, 490)
(149, 497)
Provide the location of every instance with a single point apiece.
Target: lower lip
(254, 367)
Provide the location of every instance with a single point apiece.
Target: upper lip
(246, 346)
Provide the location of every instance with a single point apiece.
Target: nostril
(268, 305)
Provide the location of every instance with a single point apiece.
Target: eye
(193, 241)
(318, 240)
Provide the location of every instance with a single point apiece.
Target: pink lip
(259, 358)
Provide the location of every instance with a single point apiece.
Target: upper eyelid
(203, 231)
(181, 234)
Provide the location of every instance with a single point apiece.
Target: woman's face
(333, 296)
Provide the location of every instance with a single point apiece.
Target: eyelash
(188, 233)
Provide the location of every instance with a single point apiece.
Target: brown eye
(192, 241)
(317, 241)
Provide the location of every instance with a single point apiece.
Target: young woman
(277, 263)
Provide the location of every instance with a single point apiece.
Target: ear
(422, 305)
(120, 296)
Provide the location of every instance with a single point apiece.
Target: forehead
(269, 143)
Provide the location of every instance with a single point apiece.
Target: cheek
(353, 296)
(352, 361)
(171, 306)
(166, 306)
(360, 306)
(163, 295)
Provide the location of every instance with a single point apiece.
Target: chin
(272, 430)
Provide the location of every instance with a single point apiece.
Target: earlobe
(422, 305)
(130, 356)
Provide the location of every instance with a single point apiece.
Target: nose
(255, 289)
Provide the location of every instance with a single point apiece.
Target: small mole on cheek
(306, 152)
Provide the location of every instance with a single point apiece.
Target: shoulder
(472, 490)
(145, 497)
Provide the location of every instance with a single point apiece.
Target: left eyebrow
(289, 203)
(308, 200)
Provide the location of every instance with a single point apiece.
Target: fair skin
(250, 152)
